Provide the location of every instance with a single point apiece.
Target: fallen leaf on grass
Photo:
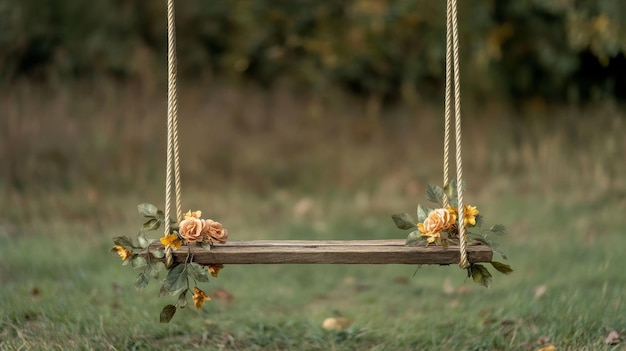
(224, 295)
(449, 288)
(613, 338)
(401, 280)
(547, 348)
(336, 323)
(540, 290)
(543, 340)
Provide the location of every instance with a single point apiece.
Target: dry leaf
(448, 288)
(540, 290)
(336, 323)
(224, 295)
(543, 340)
(547, 348)
(464, 289)
(613, 338)
(402, 280)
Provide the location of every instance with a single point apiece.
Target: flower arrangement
(440, 226)
(192, 230)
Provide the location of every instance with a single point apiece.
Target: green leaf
(163, 290)
(480, 274)
(138, 261)
(173, 225)
(129, 260)
(501, 267)
(167, 313)
(153, 270)
(147, 210)
(415, 238)
(182, 299)
(451, 192)
(141, 281)
(434, 194)
(124, 241)
(198, 272)
(205, 245)
(492, 245)
(498, 249)
(158, 253)
(160, 216)
(422, 213)
(479, 221)
(176, 279)
(403, 221)
(151, 224)
(498, 229)
(141, 239)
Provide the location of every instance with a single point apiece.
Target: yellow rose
(215, 231)
(190, 229)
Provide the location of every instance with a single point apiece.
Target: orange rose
(215, 231)
(190, 229)
(436, 221)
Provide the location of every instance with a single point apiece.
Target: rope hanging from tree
(452, 93)
(172, 166)
(453, 79)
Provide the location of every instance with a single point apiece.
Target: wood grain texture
(327, 252)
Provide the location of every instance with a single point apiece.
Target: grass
(62, 289)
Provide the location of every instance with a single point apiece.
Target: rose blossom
(436, 221)
(214, 230)
(190, 229)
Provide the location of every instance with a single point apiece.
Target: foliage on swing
(440, 226)
(192, 230)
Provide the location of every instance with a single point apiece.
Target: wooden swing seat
(326, 252)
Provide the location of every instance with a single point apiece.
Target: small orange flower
(123, 252)
(214, 269)
(199, 297)
(171, 240)
(193, 214)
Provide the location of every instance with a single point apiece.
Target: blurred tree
(568, 50)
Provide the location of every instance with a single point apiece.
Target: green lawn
(62, 289)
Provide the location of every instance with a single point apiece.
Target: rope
(172, 129)
(448, 110)
(452, 54)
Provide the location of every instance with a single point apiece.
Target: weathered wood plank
(328, 252)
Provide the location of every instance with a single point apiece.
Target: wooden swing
(324, 251)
